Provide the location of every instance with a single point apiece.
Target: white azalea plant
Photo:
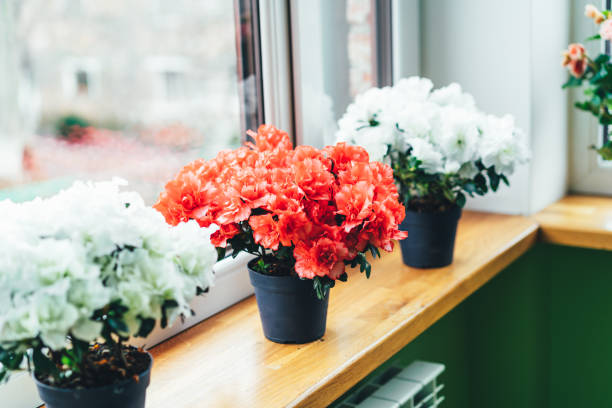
(84, 270)
(441, 147)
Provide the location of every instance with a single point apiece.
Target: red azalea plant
(301, 211)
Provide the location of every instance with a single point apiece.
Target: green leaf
(373, 250)
(593, 37)
(493, 178)
(602, 59)
(322, 286)
(11, 360)
(481, 184)
(605, 119)
(146, 326)
(599, 76)
(117, 325)
(605, 151)
(470, 188)
(42, 364)
(168, 304)
(460, 200)
(572, 82)
(220, 253)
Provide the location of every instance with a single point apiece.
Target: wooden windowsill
(583, 221)
(225, 361)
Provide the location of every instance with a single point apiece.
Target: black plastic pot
(125, 394)
(431, 238)
(289, 308)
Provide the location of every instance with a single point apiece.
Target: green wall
(537, 335)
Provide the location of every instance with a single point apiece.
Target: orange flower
(293, 227)
(265, 231)
(323, 257)
(312, 174)
(344, 155)
(324, 205)
(269, 138)
(219, 238)
(354, 201)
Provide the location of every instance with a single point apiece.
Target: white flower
(457, 135)
(431, 159)
(453, 95)
(417, 119)
(67, 256)
(375, 139)
(503, 145)
(413, 89)
(445, 130)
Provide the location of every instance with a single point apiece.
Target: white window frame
(589, 173)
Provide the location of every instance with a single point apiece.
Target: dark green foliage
(605, 151)
(598, 92)
(421, 191)
(146, 327)
(322, 285)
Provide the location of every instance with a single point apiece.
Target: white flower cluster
(445, 130)
(64, 257)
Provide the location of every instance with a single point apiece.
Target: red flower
(293, 227)
(344, 155)
(324, 205)
(312, 173)
(265, 231)
(577, 67)
(575, 59)
(219, 238)
(323, 257)
(269, 138)
(354, 201)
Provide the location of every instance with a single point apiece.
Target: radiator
(416, 386)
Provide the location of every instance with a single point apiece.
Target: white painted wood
(588, 173)
(510, 65)
(276, 63)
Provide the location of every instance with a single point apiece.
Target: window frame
(308, 60)
(589, 173)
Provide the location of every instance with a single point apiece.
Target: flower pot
(289, 308)
(125, 394)
(431, 238)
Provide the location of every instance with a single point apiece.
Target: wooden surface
(226, 362)
(583, 221)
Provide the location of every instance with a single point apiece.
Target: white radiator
(416, 386)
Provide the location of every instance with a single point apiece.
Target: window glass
(94, 89)
(334, 63)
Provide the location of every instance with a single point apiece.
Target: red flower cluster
(327, 205)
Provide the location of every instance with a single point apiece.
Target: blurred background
(137, 89)
(127, 88)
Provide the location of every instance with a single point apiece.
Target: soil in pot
(289, 308)
(104, 385)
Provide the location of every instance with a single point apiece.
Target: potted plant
(80, 273)
(303, 213)
(441, 147)
(596, 73)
